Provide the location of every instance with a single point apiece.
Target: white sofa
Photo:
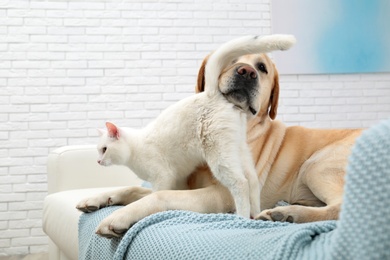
(73, 174)
(357, 235)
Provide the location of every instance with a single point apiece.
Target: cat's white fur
(203, 128)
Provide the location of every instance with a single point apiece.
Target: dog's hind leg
(327, 193)
(323, 175)
(318, 190)
(323, 204)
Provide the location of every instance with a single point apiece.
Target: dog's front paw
(276, 214)
(92, 204)
(115, 225)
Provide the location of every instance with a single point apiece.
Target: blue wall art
(333, 36)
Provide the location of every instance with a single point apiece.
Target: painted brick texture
(68, 66)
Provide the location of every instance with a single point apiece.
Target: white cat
(206, 128)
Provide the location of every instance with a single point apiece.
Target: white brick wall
(67, 66)
(354, 100)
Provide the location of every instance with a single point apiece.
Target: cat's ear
(100, 132)
(113, 131)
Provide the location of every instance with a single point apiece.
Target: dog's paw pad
(119, 232)
(86, 208)
(105, 235)
(82, 209)
(92, 208)
(290, 219)
(277, 216)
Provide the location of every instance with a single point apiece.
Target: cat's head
(112, 148)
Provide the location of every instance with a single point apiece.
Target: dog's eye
(261, 67)
(104, 150)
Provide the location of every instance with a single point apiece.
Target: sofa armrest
(75, 167)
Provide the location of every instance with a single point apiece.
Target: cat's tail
(233, 49)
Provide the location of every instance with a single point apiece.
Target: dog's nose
(247, 72)
(98, 161)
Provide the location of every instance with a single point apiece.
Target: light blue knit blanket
(363, 231)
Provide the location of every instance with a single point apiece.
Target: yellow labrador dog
(304, 167)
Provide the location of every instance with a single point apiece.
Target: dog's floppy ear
(200, 83)
(274, 98)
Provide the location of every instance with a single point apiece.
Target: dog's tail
(233, 49)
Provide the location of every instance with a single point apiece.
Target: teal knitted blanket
(363, 231)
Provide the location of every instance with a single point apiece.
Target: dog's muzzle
(243, 88)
